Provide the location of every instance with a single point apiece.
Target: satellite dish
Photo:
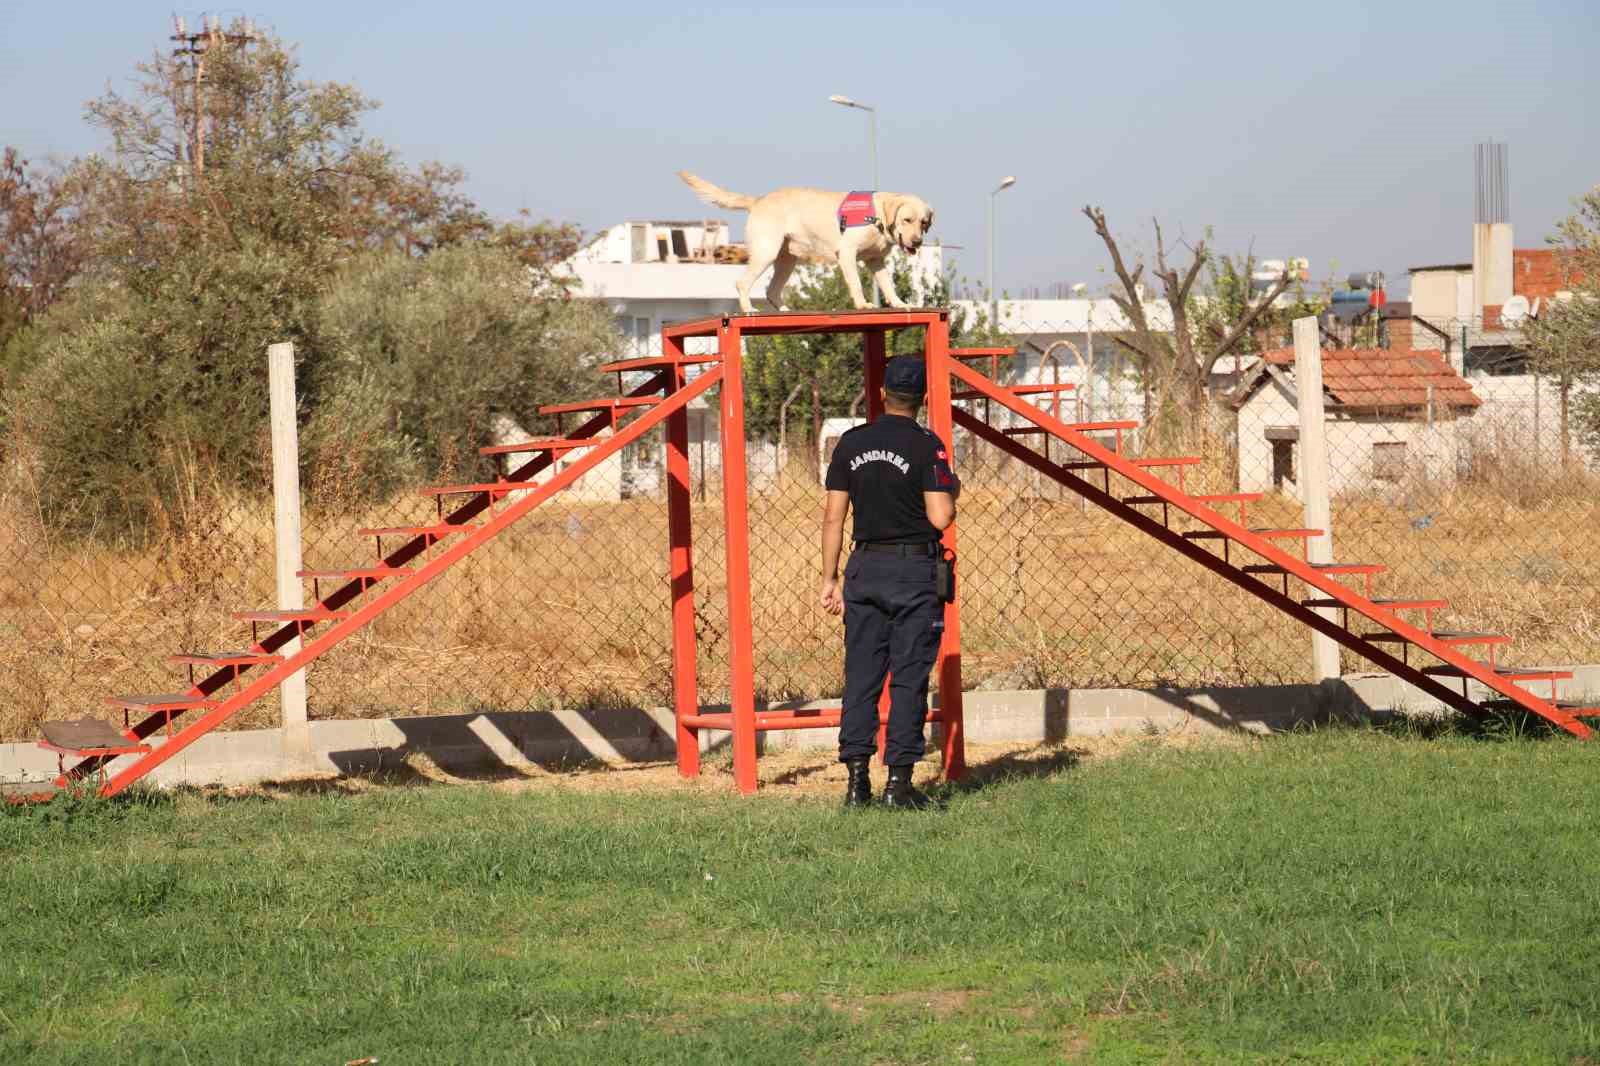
(1514, 311)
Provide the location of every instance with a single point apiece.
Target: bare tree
(1175, 366)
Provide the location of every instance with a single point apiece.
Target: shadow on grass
(1497, 725)
(1042, 760)
(410, 774)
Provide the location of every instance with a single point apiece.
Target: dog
(795, 225)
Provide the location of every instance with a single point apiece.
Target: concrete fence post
(286, 526)
(1314, 474)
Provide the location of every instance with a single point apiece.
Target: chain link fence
(1480, 493)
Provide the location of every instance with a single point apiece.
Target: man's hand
(832, 595)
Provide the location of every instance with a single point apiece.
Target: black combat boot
(858, 789)
(897, 791)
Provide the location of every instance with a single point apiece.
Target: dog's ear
(927, 217)
(890, 205)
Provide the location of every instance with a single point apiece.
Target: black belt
(926, 548)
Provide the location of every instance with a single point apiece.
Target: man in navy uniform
(896, 476)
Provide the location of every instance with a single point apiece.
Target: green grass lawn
(1341, 897)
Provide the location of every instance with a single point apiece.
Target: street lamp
(994, 302)
(872, 140)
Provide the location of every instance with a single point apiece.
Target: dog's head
(906, 219)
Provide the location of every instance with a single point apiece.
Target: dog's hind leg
(782, 267)
(764, 252)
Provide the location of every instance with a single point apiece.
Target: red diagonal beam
(404, 588)
(1297, 567)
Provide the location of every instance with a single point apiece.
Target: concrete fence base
(518, 738)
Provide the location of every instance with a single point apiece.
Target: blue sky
(1341, 132)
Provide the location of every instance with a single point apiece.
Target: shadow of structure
(496, 745)
(1257, 709)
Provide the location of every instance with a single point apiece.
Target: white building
(1392, 416)
(1074, 341)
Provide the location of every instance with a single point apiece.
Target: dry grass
(571, 607)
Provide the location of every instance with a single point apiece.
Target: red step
(982, 353)
(656, 362)
(1576, 708)
(607, 403)
(438, 530)
(1391, 604)
(356, 573)
(1452, 639)
(89, 737)
(308, 614)
(1015, 390)
(1269, 534)
(492, 488)
(546, 444)
(1095, 464)
(1216, 497)
(1076, 427)
(165, 701)
(224, 658)
(1326, 568)
(1508, 673)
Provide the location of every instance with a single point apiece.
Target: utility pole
(195, 46)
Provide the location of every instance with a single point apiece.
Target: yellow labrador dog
(796, 225)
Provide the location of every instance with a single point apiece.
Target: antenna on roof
(1493, 197)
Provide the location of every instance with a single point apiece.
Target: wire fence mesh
(1484, 497)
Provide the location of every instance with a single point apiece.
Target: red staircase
(366, 590)
(1253, 558)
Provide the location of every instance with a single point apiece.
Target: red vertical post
(736, 528)
(948, 666)
(875, 349)
(680, 533)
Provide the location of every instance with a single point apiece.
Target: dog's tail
(715, 194)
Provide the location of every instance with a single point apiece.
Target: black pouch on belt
(944, 575)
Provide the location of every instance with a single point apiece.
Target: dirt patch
(788, 773)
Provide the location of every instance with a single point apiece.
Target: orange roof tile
(1379, 377)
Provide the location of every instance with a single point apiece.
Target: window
(638, 236)
(1282, 439)
(1282, 462)
(680, 244)
(1388, 460)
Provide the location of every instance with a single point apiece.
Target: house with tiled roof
(1391, 415)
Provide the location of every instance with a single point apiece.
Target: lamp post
(994, 301)
(872, 141)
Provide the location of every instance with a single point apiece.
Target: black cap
(907, 374)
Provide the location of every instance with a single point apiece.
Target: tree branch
(1231, 338)
(1133, 307)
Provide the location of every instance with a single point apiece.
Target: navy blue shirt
(886, 466)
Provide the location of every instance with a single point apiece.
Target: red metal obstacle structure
(207, 703)
(238, 678)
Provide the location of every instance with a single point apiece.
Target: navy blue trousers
(893, 623)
